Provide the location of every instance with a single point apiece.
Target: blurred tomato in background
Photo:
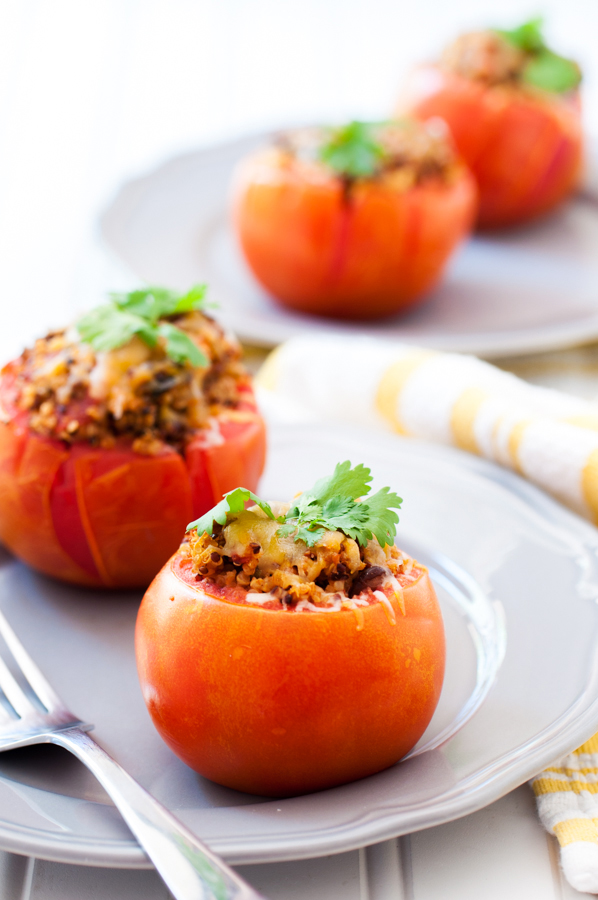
(92, 93)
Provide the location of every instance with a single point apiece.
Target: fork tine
(16, 696)
(33, 675)
(5, 716)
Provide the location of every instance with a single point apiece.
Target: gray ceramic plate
(517, 578)
(526, 289)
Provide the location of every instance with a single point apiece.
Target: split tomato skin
(279, 703)
(362, 253)
(525, 148)
(28, 467)
(112, 517)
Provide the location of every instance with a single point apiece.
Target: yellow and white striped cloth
(548, 436)
(568, 806)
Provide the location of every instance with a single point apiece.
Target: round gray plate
(517, 579)
(526, 289)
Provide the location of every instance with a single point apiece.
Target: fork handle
(190, 870)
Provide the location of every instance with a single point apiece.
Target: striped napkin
(568, 807)
(545, 435)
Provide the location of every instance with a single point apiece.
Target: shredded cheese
(387, 606)
(306, 604)
(398, 590)
(259, 599)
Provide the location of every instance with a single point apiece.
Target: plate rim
(467, 795)
(491, 345)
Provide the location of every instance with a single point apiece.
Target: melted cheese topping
(249, 552)
(254, 527)
(248, 528)
(113, 364)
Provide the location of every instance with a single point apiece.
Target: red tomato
(369, 252)
(524, 147)
(281, 702)
(111, 518)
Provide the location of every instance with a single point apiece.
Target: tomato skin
(112, 517)
(280, 703)
(28, 467)
(525, 149)
(364, 255)
(132, 509)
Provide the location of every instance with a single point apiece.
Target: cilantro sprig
(527, 37)
(333, 504)
(232, 503)
(352, 150)
(551, 72)
(544, 68)
(141, 313)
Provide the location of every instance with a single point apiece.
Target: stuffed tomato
(279, 655)
(113, 434)
(513, 108)
(357, 222)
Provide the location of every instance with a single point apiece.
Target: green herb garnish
(140, 313)
(331, 505)
(551, 72)
(231, 503)
(544, 69)
(352, 150)
(527, 37)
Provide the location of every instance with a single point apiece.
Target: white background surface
(93, 91)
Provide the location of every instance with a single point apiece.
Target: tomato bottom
(279, 703)
(374, 254)
(524, 148)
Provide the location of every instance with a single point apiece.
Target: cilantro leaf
(544, 68)
(381, 519)
(309, 536)
(352, 150)
(332, 504)
(527, 37)
(344, 482)
(551, 72)
(232, 502)
(107, 328)
(195, 298)
(140, 313)
(153, 303)
(180, 347)
(144, 303)
(338, 507)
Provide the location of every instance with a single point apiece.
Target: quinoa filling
(248, 555)
(408, 152)
(519, 59)
(75, 394)
(486, 57)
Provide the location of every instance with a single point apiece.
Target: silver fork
(190, 870)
